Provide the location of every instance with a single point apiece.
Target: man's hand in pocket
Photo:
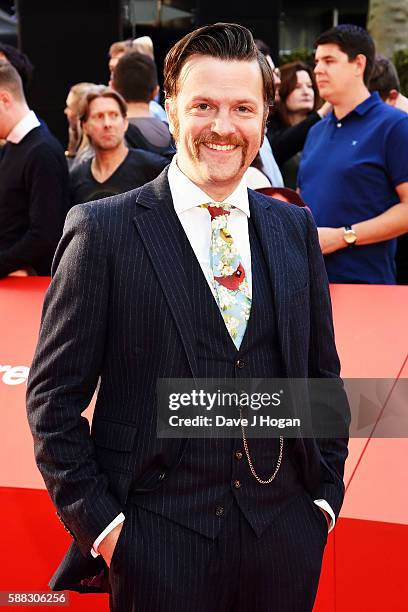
(326, 516)
(108, 544)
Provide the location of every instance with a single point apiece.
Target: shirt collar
(362, 108)
(365, 106)
(23, 127)
(187, 195)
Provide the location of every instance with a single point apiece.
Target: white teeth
(220, 147)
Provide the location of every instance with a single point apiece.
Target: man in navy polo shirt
(354, 170)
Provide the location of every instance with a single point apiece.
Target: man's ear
(392, 97)
(5, 98)
(155, 92)
(360, 62)
(170, 108)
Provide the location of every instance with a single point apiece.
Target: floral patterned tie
(230, 283)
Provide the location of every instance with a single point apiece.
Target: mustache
(210, 138)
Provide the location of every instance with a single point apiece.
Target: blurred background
(68, 40)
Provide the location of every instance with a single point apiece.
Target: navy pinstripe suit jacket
(118, 309)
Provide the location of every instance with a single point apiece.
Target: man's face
(336, 75)
(105, 125)
(217, 120)
(301, 98)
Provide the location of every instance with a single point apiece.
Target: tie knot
(218, 210)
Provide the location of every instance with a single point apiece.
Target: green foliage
(302, 55)
(400, 60)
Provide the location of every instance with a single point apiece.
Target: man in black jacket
(208, 525)
(33, 184)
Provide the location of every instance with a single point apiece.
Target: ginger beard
(216, 165)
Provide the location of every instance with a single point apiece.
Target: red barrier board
(365, 559)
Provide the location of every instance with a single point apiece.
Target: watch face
(350, 237)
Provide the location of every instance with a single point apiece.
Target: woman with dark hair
(294, 115)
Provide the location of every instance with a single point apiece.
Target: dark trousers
(159, 566)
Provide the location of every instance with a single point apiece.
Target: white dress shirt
(196, 222)
(23, 127)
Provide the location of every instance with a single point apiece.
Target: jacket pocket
(114, 435)
(114, 443)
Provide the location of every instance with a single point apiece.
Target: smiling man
(217, 136)
(354, 169)
(191, 276)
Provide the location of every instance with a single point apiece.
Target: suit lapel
(272, 233)
(159, 229)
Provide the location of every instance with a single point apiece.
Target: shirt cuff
(323, 504)
(116, 521)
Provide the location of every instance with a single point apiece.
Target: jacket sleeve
(324, 364)
(64, 376)
(46, 186)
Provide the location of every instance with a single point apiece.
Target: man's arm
(390, 224)
(64, 376)
(286, 141)
(324, 364)
(46, 186)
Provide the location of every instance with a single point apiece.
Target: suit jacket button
(237, 484)
(219, 511)
(240, 364)
(238, 455)
(162, 476)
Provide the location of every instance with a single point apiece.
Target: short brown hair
(384, 77)
(100, 91)
(121, 46)
(20, 61)
(135, 77)
(227, 41)
(11, 80)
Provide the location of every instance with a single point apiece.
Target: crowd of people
(332, 135)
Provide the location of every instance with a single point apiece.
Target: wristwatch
(349, 235)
